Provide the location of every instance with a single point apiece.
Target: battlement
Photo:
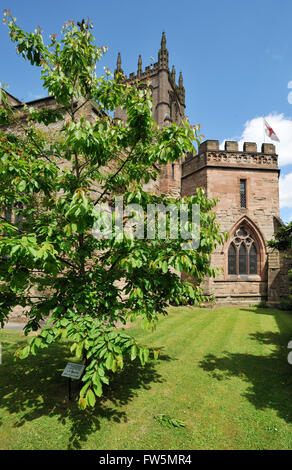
(232, 146)
(210, 155)
(150, 71)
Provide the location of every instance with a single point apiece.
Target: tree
(283, 238)
(54, 182)
(283, 243)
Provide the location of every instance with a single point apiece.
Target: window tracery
(243, 253)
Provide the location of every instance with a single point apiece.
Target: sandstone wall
(219, 172)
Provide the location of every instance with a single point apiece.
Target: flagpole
(264, 130)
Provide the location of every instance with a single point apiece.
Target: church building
(246, 184)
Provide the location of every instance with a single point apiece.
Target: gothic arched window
(242, 253)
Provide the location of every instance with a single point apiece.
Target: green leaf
(109, 361)
(84, 388)
(105, 380)
(82, 403)
(97, 389)
(141, 356)
(168, 421)
(21, 186)
(24, 352)
(79, 349)
(114, 365)
(96, 378)
(164, 266)
(90, 398)
(155, 354)
(73, 347)
(133, 352)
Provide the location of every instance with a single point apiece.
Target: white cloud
(254, 132)
(282, 126)
(285, 188)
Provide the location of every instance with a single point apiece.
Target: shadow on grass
(33, 388)
(261, 310)
(269, 377)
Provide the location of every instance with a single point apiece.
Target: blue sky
(235, 57)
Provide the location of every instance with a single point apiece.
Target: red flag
(270, 132)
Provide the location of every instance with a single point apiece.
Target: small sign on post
(72, 371)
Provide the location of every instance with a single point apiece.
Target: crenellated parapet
(232, 146)
(210, 155)
(149, 72)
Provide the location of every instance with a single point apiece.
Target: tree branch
(115, 174)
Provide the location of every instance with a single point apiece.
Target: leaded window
(243, 194)
(232, 259)
(242, 254)
(242, 259)
(253, 260)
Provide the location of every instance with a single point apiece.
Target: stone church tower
(168, 106)
(245, 184)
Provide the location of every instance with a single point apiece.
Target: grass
(223, 372)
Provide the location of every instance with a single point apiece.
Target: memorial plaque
(73, 371)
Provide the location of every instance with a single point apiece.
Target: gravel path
(14, 326)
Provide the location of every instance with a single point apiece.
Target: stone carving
(242, 158)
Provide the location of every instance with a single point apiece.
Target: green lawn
(222, 371)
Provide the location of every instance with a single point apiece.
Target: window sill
(241, 278)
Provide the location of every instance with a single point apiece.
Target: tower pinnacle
(163, 42)
(173, 74)
(139, 66)
(163, 54)
(181, 88)
(119, 64)
(180, 81)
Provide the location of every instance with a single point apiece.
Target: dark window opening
(231, 260)
(242, 259)
(253, 265)
(172, 171)
(243, 194)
